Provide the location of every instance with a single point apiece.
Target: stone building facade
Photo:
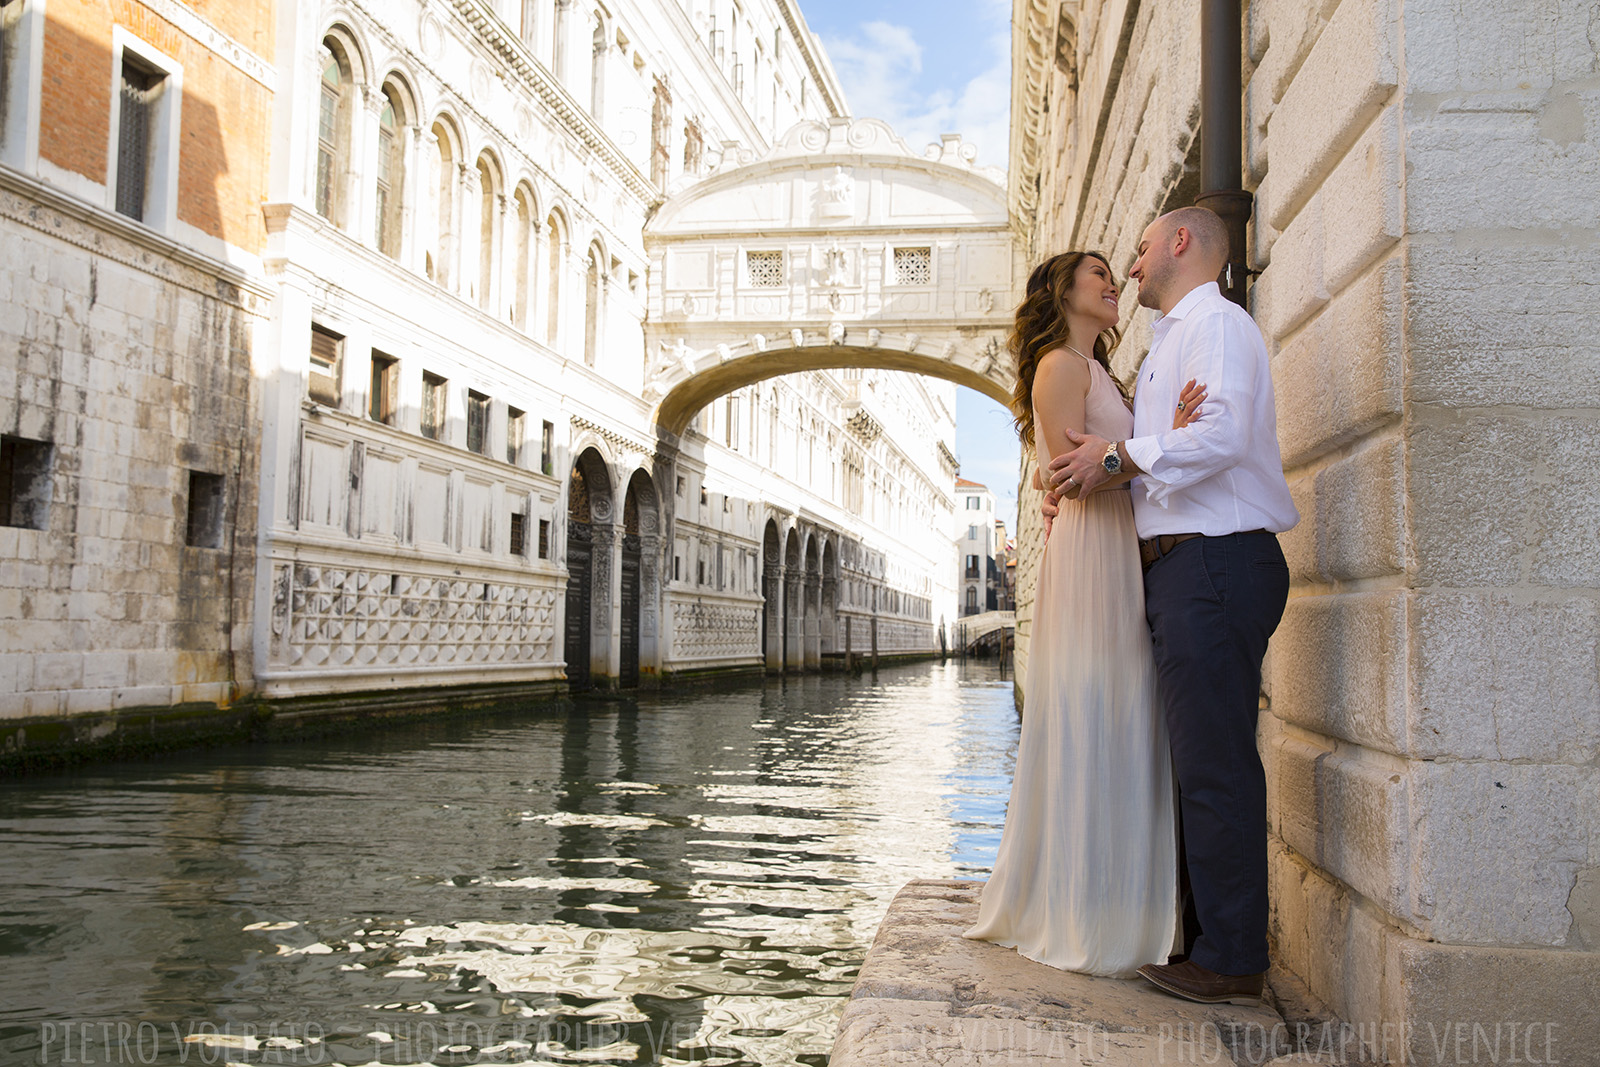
(976, 547)
(349, 403)
(466, 478)
(1424, 227)
(132, 168)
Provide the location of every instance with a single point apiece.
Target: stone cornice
(491, 31)
(118, 226)
(801, 33)
(620, 440)
(1032, 45)
(864, 426)
(216, 42)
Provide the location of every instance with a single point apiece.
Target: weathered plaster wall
(1426, 231)
(131, 363)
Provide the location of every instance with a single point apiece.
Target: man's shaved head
(1205, 227)
(1167, 268)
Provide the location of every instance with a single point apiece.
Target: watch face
(1113, 463)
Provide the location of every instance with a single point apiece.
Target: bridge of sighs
(839, 248)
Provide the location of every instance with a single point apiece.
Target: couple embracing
(1135, 838)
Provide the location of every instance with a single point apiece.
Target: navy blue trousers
(1212, 603)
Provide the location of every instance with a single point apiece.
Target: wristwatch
(1113, 460)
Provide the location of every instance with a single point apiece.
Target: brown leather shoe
(1191, 981)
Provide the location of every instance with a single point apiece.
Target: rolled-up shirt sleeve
(1219, 355)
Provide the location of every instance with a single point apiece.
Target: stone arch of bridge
(709, 375)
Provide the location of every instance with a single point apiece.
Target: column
(605, 607)
(813, 620)
(410, 192)
(772, 589)
(364, 226)
(794, 621)
(468, 213)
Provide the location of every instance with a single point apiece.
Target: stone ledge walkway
(928, 996)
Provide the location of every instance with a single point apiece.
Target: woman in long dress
(1086, 875)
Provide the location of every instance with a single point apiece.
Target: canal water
(690, 878)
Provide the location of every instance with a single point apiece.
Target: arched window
(488, 223)
(390, 176)
(592, 295)
(552, 310)
(333, 131)
(522, 267)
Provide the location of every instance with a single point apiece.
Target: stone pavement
(926, 995)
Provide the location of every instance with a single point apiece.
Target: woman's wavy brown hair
(1041, 326)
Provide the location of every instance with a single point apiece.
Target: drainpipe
(1221, 135)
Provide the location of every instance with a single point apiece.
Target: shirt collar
(1190, 301)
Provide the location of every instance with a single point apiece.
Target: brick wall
(226, 113)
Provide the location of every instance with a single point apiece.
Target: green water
(693, 878)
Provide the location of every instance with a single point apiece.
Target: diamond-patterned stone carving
(357, 618)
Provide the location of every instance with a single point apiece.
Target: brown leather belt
(1156, 547)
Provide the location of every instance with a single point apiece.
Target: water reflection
(693, 879)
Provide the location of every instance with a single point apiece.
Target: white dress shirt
(1223, 473)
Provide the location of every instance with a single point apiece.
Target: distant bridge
(987, 628)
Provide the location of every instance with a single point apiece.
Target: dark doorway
(580, 580)
(628, 674)
(772, 599)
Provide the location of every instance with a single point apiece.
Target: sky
(928, 68)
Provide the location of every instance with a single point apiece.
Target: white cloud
(881, 70)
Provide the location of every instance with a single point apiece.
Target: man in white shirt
(1208, 501)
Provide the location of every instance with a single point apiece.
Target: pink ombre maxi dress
(1086, 876)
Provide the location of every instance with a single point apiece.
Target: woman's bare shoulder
(1061, 369)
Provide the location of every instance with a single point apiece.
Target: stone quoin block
(1504, 676)
(1358, 514)
(1465, 1004)
(1281, 34)
(1470, 471)
(1339, 378)
(1510, 163)
(1505, 45)
(1362, 215)
(1569, 516)
(1497, 847)
(1526, 340)
(1336, 92)
(1315, 926)
(1347, 814)
(1300, 543)
(1292, 288)
(1333, 670)
(1332, 938)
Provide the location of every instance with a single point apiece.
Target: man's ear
(1181, 240)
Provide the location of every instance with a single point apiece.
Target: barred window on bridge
(766, 269)
(913, 266)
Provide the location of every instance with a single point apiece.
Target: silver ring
(1180, 405)
(1071, 480)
